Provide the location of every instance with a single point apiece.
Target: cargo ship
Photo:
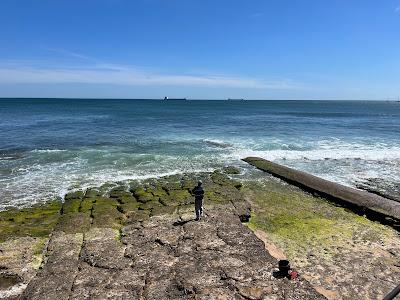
(167, 98)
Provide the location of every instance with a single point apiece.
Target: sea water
(51, 146)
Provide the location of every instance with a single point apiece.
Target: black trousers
(198, 206)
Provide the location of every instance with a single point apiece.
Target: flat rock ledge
(140, 241)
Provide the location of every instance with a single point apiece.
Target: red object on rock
(293, 275)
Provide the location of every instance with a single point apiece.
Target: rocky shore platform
(139, 240)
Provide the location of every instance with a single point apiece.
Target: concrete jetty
(373, 206)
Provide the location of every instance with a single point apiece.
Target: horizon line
(192, 99)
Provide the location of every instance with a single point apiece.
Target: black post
(393, 293)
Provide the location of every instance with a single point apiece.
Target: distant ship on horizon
(167, 98)
(236, 99)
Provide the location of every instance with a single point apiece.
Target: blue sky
(271, 49)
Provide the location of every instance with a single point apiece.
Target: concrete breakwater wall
(373, 206)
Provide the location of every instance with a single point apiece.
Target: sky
(213, 49)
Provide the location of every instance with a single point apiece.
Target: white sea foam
(217, 143)
(344, 163)
(42, 182)
(47, 150)
(42, 179)
(321, 154)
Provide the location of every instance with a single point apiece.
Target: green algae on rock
(231, 170)
(36, 221)
(324, 242)
(220, 178)
(373, 206)
(111, 205)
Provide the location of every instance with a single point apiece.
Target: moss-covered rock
(214, 197)
(36, 221)
(74, 195)
(111, 219)
(124, 198)
(163, 210)
(222, 179)
(74, 223)
(172, 182)
(158, 192)
(142, 195)
(180, 197)
(106, 187)
(231, 170)
(149, 205)
(167, 201)
(128, 206)
(71, 205)
(105, 213)
(135, 216)
(188, 182)
(86, 205)
(93, 193)
(124, 203)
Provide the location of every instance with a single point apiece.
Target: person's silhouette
(198, 199)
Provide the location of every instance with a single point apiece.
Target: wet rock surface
(139, 240)
(390, 190)
(55, 279)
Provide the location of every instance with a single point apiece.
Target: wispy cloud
(397, 9)
(131, 77)
(20, 72)
(70, 53)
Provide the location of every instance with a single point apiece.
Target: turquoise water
(48, 146)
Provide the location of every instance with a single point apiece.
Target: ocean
(51, 146)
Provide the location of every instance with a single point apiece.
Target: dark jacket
(198, 192)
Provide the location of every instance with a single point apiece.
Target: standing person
(198, 199)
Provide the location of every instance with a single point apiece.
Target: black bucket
(284, 267)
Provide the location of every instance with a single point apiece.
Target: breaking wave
(50, 147)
